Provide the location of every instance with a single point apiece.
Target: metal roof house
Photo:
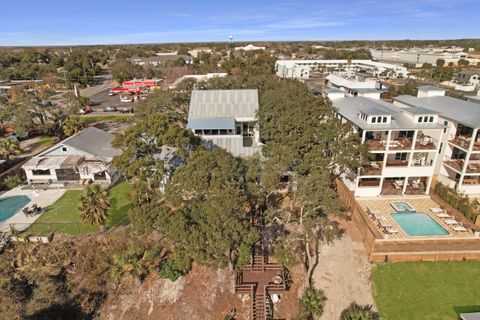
(226, 119)
(403, 144)
(460, 146)
(81, 157)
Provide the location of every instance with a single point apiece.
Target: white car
(126, 99)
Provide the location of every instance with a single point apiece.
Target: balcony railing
(456, 164)
(369, 183)
(470, 181)
(473, 166)
(397, 163)
(373, 168)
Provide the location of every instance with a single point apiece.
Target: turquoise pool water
(402, 206)
(418, 224)
(11, 205)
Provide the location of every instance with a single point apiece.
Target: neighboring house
(302, 68)
(417, 57)
(160, 59)
(226, 119)
(84, 156)
(403, 144)
(459, 167)
(469, 76)
(249, 47)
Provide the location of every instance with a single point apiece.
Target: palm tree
(94, 205)
(9, 148)
(356, 312)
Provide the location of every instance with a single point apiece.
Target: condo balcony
(403, 143)
(373, 168)
(425, 143)
(456, 164)
(461, 141)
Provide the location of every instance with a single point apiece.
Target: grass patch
(46, 141)
(65, 210)
(106, 118)
(426, 290)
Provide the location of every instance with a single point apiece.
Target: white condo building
(403, 144)
(459, 167)
(301, 68)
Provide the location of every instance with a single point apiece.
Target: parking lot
(102, 100)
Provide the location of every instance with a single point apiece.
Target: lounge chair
(396, 185)
(390, 230)
(460, 229)
(451, 221)
(443, 215)
(437, 210)
(373, 211)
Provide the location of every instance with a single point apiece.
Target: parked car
(111, 93)
(110, 109)
(126, 110)
(127, 98)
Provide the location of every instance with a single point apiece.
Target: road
(106, 83)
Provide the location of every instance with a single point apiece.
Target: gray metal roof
(351, 107)
(223, 103)
(161, 58)
(233, 144)
(470, 316)
(211, 123)
(430, 88)
(458, 110)
(94, 141)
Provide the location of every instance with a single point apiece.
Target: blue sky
(34, 22)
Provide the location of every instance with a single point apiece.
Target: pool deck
(42, 198)
(419, 204)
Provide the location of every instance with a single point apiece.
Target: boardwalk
(261, 279)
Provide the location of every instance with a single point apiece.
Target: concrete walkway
(42, 198)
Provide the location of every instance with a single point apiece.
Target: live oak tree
(173, 105)
(209, 209)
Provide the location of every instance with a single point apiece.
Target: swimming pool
(418, 224)
(402, 206)
(11, 205)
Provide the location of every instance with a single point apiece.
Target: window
(420, 119)
(374, 120)
(223, 131)
(445, 123)
(430, 119)
(401, 156)
(41, 172)
(441, 147)
(64, 149)
(384, 120)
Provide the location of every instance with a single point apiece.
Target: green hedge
(460, 202)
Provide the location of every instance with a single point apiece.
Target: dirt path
(343, 273)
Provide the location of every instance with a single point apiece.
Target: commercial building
(226, 119)
(161, 59)
(356, 86)
(85, 156)
(302, 69)
(416, 57)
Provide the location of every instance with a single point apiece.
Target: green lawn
(426, 290)
(65, 209)
(46, 141)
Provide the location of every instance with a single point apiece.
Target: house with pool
(83, 157)
(403, 144)
(459, 161)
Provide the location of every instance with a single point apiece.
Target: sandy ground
(344, 273)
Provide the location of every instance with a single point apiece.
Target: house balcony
(461, 141)
(373, 168)
(473, 166)
(369, 182)
(455, 164)
(375, 145)
(401, 144)
(391, 187)
(425, 143)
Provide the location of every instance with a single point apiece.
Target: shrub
(12, 181)
(357, 312)
(460, 202)
(176, 266)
